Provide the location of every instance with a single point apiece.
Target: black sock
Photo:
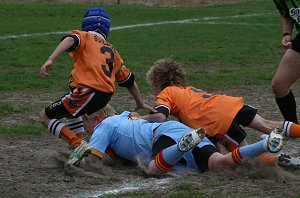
(287, 106)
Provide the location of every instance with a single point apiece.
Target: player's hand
(44, 71)
(134, 114)
(287, 42)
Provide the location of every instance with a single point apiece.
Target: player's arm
(125, 78)
(155, 117)
(65, 45)
(287, 24)
(134, 91)
(160, 115)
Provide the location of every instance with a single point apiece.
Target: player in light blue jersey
(162, 146)
(289, 67)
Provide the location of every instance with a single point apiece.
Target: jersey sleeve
(124, 77)
(164, 102)
(76, 39)
(100, 139)
(79, 44)
(282, 7)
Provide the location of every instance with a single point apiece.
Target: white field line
(204, 20)
(129, 187)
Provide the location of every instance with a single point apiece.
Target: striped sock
(167, 158)
(248, 151)
(291, 129)
(75, 125)
(55, 127)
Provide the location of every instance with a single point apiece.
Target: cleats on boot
(285, 160)
(191, 139)
(275, 141)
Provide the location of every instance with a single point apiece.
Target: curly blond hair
(166, 72)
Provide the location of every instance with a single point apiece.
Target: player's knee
(275, 85)
(152, 168)
(219, 162)
(43, 117)
(279, 88)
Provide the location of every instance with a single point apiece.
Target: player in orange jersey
(97, 65)
(220, 115)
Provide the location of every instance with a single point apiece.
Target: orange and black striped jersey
(97, 64)
(197, 108)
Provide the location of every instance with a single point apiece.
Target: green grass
(222, 48)
(217, 50)
(22, 129)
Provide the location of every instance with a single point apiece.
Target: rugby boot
(285, 160)
(275, 141)
(191, 139)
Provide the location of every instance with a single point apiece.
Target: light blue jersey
(128, 138)
(131, 138)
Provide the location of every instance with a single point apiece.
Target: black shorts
(235, 134)
(88, 105)
(201, 155)
(296, 43)
(244, 117)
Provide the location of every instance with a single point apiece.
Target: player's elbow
(160, 117)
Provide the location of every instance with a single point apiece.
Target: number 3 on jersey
(109, 61)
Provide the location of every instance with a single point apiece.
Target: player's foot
(285, 160)
(79, 153)
(275, 141)
(191, 139)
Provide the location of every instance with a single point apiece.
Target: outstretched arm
(155, 117)
(62, 47)
(134, 91)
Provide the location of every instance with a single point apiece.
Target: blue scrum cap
(96, 19)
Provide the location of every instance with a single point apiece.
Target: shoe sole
(275, 141)
(189, 140)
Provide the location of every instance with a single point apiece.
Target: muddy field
(33, 166)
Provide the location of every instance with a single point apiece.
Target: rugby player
(97, 65)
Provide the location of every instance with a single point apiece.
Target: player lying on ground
(164, 146)
(220, 115)
(97, 65)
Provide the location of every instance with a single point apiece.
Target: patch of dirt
(33, 166)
